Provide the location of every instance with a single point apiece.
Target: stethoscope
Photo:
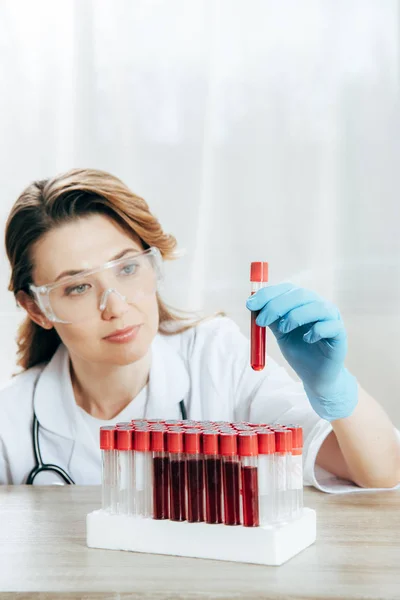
(40, 466)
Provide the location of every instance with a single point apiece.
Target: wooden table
(42, 529)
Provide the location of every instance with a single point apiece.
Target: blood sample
(266, 475)
(248, 453)
(213, 477)
(160, 473)
(230, 478)
(259, 279)
(283, 451)
(109, 468)
(177, 475)
(195, 475)
(125, 470)
(142, 473)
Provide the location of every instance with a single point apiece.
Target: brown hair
(49, 203)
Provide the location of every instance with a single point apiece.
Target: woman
(99, 346)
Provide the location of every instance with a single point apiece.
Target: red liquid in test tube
(213, 477)
(195, 476)
(259, 279)
(231, 481)
(248, 452)
(160, 474)
(177, 476)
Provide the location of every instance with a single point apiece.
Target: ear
(33, 311)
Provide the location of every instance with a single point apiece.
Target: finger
(260, 298)
(278, 307)
(326, 330)
(319, 310)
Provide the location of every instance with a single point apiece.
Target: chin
(126, 354)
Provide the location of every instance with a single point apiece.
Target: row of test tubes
(203, 471)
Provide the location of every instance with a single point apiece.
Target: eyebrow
(72, 272)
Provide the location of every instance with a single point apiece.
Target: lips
(120, 333)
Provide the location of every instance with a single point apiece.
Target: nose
(113, 304)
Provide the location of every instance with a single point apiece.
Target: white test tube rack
(271, 545)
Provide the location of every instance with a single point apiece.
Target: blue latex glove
(311, 335)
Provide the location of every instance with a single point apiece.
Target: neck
(104, 391)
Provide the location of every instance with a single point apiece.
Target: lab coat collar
(54, 400)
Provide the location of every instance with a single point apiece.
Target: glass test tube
(266, 475)
(109, 468)
(160, 474)
(194, 475)
(230, 477)
(177, 475)
(296, 471)
(213, 477)
(283, 450)
(248, 453)
(259, 279)
(142, 473)
(125, 470)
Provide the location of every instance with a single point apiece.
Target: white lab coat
(206, 366)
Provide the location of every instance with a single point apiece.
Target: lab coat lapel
(169, 381)
(57, 413)
(54, 399)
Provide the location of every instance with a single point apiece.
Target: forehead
(84, 243)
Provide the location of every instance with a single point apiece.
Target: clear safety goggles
(78, 298)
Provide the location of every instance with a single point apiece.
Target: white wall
(257, 130)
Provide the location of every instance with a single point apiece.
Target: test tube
(177, 475)
(194, 475)
(125, 470)
(296, 471)
(142, 473)
(248, 453)
(259, 279)
(213, 477)
(109, 468)
(283, 450)
(160, 474)
(266, 475)
(230, 477)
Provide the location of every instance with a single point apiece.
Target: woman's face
(84, 244)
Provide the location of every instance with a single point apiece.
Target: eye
(77, 290)
(130, 269)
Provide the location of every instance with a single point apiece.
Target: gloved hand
(312, 338)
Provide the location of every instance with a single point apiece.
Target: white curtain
(255, 129)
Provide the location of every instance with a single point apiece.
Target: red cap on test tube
(259, 271)
(107, 438)
(297, 435)
(141, 440)
(266, 441)
(210, 442)
(175, 440)
(283, 441)
(247, 443)
(192, 441)
(124, 438)
(228, 443)
(158, 440)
